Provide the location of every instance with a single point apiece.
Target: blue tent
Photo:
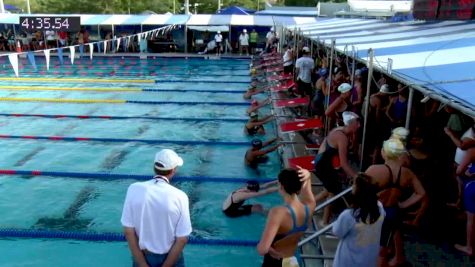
(235, 10)
(11, 8)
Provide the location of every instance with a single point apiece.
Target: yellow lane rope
(84, 80)
(111, 101)
(42, 88)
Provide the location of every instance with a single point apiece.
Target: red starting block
(288, 103)
(295, 126)
(305, 162)
(283, 87)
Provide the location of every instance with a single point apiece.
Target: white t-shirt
(287, 61)
(218, 38)
(459, 153)
(244, 39)
(305, 65)
(270, 36)
(159, 213)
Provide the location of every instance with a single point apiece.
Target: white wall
(380, 5)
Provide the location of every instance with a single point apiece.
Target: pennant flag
(14, 61)
(91, 50)
(72, 53)
(118, 44)
(31, 58)
(81, 50)
(139, 37)
(98, 47)
(105, 46)
(47, 54)
(60, 56)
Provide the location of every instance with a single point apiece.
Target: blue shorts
(156, 260)
(469, 197)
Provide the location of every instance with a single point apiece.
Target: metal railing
(319, 207)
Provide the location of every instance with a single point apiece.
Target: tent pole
(330, 81)
(186, 39)
(353, 64)
(2, 7)
(409, 107)
(366, 107)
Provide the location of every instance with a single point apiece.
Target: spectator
(332, 157)
(288, 60)
(156, 216)
(391, 178)
(286, 224)
(359, 228)
(467, 169)
(218, 39)
(270, 38)
(63, 38)
(234, 206)
(51, 41)
(253, 37)
(304, 68)
(244, 42)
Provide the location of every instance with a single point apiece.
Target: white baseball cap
(168, 160)
(244, 30)
(219, 31)
(306, 49)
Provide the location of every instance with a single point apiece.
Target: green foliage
(138, 6)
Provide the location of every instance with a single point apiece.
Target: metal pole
(366, 107)
(186, 39)
(2, 7)
(187, 7)
(353, 66)
(329, 84)
(311, 48)
(409, 107)
(28, 6)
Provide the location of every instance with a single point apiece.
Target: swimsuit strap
(398, 179)
(294, 219)
(391, 177)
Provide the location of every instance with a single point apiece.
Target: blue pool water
(43, 202)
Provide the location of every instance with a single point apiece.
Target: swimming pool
(30, 124)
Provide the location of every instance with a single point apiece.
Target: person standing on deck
(156, 216)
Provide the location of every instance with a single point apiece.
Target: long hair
(365, 204)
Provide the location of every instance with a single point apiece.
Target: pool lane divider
(117, 73)
(117, 176)
(111, 89)
(110, 237)
(118, 101)
(95, 80)
(124, 140)
(59, 116)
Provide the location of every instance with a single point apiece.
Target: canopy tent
(11, 7)
(436, 58)
(235, 10)
(167, 19)
(209, 28)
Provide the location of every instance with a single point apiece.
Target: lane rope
(112, 89)
(95, 80)
(124, 140)
(107, 117)
(118, 101)
(118, 176)
(110, 237)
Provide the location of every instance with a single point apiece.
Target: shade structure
(437, 58)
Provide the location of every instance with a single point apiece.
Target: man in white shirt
(156, 216)
(270, 37)
(244, 42)
(304, 68)
(51, 39)
(288, 59)
(218, 39)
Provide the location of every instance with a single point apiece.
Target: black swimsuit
(237, 209)
(392, 218)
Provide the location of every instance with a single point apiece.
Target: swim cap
(323, 72)
(254, 102)
(393, 148)
(344, 87)
(256, 143)
(253, 186)
(348, 117)
(400, 133)
(358, 73)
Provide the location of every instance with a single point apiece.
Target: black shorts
(288, 69)
(252, 45)
(391, 223)
(241, 211)
(52, 43)
(329, 177)
(304, 88)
